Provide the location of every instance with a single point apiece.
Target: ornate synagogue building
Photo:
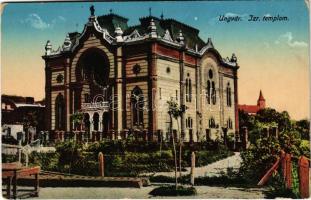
(121, 77)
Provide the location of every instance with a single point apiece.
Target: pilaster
(182, 89)
(67, 94)
(152, 85)
(236, 102)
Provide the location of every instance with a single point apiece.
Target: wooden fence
(286, 161)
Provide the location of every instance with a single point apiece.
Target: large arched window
(187, 98)
(228, 90)
(137, 106)
(229, 124)
(211, 88)
(188, 89)
(189, 123)
(60, 114)
(94, 66)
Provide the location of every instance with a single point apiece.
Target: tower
(261, 102)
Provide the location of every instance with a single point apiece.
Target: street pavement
(142, 193)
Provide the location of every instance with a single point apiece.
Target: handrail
(266, 177)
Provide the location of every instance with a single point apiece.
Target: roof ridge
(185, 25)
(113, 15)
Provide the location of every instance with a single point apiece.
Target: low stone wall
(85, 181)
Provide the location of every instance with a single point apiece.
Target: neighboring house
(15, 131)
(18, 110)
(141, 67)
(253, 109)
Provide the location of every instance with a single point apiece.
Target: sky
(273, 56)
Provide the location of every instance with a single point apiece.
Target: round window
(136, 69)
(59, 78)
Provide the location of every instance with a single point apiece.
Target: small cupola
(48, 48)
(180, 38)
(67, 42)
(152, 29)
(118, 32)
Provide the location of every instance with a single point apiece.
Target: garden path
(214, 169)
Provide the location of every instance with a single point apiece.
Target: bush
(47, 161)
(172, 191)
(277, 188)
(259, 158)
(9, 158)
(137, 163)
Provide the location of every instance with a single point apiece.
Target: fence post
(283, 164)
(192, 168)
(288, 177)
(303, 164)
(20, 151)
(101, 164)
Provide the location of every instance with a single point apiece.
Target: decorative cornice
(134, 38)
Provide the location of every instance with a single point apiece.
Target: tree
(77, 118)
(265, 118)
(270, 115)
(303, 127)
(174, 112)
(263, 151)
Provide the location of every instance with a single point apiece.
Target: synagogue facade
(121, 77)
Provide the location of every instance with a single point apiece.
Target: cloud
(35, 21)
(228, 14)
(61, 18)
(288, 39)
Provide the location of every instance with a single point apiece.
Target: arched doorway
(106, 122)
(86, 122)
(96, 121)
(60, 115)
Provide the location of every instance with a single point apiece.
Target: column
(100, 125)
(119, 92)
(91, 125)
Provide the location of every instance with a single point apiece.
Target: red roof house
(253, 109)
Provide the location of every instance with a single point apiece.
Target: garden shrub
(47, 161)
(123, 157)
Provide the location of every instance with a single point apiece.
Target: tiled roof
(191, 35)
(253, 109)
(112, 21)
